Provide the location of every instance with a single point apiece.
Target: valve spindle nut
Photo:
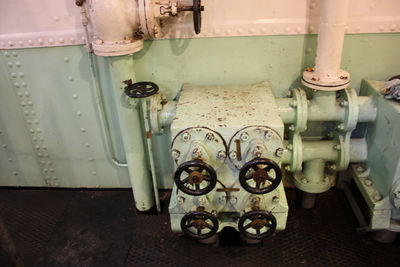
(210, 136)
(185, 136)
(244, 136)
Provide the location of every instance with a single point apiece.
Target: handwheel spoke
(254, 167)
(199, 231)
(247, 226)
(249, 176)
(188, 170)
(209, 226)
(186, 180)
(268, 168)
(258, 185)
(197, 186)
(258, 231)
(207, 178)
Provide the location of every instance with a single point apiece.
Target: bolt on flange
(185, 137)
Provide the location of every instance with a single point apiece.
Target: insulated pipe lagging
(330, 37)
(132, 133)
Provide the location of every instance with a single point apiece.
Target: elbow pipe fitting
(114, 37)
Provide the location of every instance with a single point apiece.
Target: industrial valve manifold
(226, 151)
(227, 146)
(235, 147)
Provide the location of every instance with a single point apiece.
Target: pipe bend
(113, 20)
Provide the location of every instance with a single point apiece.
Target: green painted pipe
(326, 108)
(314, 170)
(132, 133)
(324, 150)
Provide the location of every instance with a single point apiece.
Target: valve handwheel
(255, 176)
(257, 224)
(195, 177)
(199, 224)
(140, 89)
(197, 8)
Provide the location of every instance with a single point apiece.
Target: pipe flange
(343, 148)
(296, 146)
(349, 101)
(209, 142)
(300, 104)
(246, 141)
(313, 81)
(155, 109)
(301, 182)
(150, 26)
(117, 48)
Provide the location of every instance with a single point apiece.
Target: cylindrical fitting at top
(330, 37)
(114, 23)
(327, 75)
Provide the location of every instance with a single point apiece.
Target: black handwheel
(140, 89)
(199, 224)
(195, 177)
(197, 9)
(256, 177)
(257, 224)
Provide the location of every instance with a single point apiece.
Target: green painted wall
(206, 61)
(279, 59)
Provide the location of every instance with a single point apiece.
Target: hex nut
(244, 136)
(275, 199)
(210, 136)
(185, 136)
(268, 135)
(221, 155)
(232, 155)
(233, 200)
(279, 152)
(368, 182)
(175, 154)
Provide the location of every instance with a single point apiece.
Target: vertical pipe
(132, 134)
(330, 37)
(314, 170)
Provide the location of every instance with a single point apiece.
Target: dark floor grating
(101, 228)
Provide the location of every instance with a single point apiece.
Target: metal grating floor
(101, 228)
